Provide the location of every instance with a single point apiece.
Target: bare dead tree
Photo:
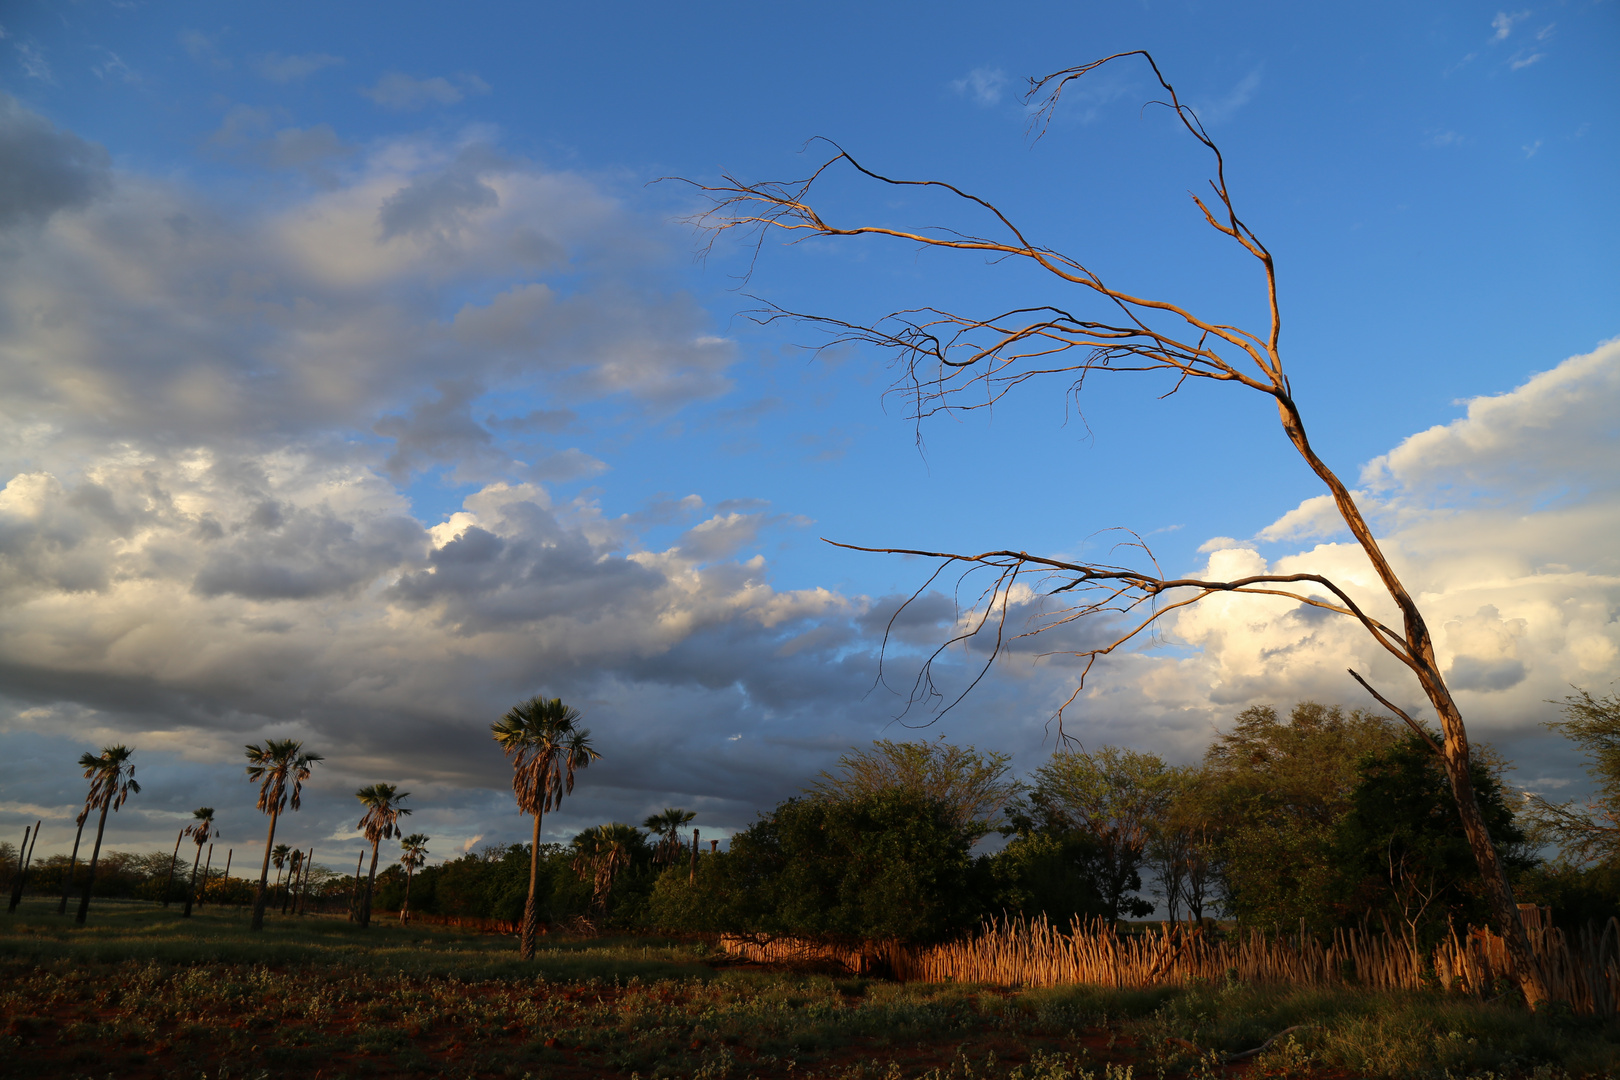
(952, 361)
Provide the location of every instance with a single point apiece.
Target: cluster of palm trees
(542, 737)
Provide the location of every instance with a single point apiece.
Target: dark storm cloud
(42, 169)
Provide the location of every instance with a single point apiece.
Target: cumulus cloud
(208, 419)
(1501, 523)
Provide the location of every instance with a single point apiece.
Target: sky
(359, 379)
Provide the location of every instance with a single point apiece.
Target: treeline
(1324, 817)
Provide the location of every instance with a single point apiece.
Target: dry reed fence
(1585, 973)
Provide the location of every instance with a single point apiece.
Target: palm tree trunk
(354, 893)
(264, 875)
(202, 897)
(17, 878)
(192, 888)
(73, 864)
(168, 886)
(303, 891)
(405, 908)
(371, 883)
(531, 914)
(95, 854)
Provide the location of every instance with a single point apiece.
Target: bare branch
(1398, 711)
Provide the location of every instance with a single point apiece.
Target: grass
(142, 993)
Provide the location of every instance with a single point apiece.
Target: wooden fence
(1585, 972)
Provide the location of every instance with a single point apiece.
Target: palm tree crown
(667, 826)
(546, 748)
(275, 763)
(202, 830)
(381, 820)
(414, 851)
(111, 776)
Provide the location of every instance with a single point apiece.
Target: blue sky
(360, 382)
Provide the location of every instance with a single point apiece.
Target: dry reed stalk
(1032, 952)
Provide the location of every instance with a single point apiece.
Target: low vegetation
(142, 993)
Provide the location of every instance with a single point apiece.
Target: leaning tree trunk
(531, 912)
(168, 886)
(303, 891)
(371, 884)
(22, 868)
(95, 854)
(264, 876)
(208, 864)
(73, 864)
(191, 889)
(405, 908)
(1420, 658)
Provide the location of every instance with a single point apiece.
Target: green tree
(201, 830)
(547, 746)
(891, 865)
(380, 822)
(1183, 850)
(1117, 798)
(1047, 872)
(273, 766)
(413, 854)
(1281, 788)
(1588, 833)
(973, 784)
(1400, 849)
(112, 781)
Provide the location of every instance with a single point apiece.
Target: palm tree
(600, 853)
(112, 780)
(294, 875)
(201, 830)
(278, 859)
(546, 748)
(73, 860)
(272, 766)
(380, 823)
(667, 826)
(415, 854)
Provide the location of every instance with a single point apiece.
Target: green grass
(141, 993)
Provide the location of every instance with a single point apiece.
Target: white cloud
(34, 64)
(1503, 23)
(204, 49)
(284, 69)
(983, 84)
(1224, 108)
(1501, 523)
(396, 90)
